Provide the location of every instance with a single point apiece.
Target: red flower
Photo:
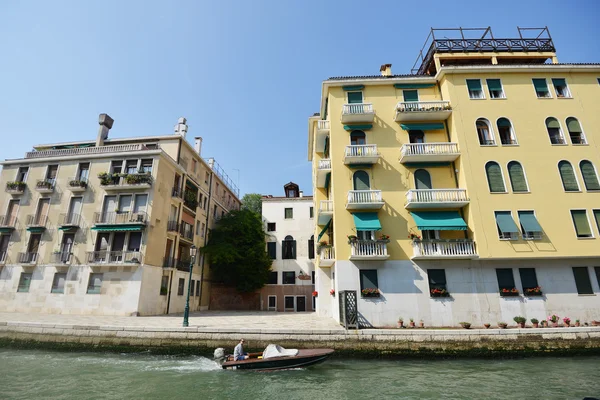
(332, 292)
(315, 293)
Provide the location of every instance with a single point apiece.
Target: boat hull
(304, 358)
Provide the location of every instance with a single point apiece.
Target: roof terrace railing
(118, 148)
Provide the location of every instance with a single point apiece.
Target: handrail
(323, 124)
(117, 148)
(364, 196)
(358, 108)
(36, 220)
(366, 248)
(423, 106)
(326, 206)
(69, 219)
(327, 253)
(325, 164)
(361, 150)
(120, 218)
(447, 248)
(414, 149)
(7, 221)
(436, 195)
(114, 257)
(27, 258)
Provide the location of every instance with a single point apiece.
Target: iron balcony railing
(8, 221)
(325, 164)
(364, 196)
(61, 257)
(114, 257)
(187, 231)
(36, 220)
(183, 265)
(169, 262)
(27, 258)
(436, 196)
(78, 182)
(177, 192)
(119, 148)
(423, 106)
(3, 256)
(444, 248)
(172, 226)
(368, 248)
(69, 219)
(110, 218)
(45, 184)
(357, 108)
(361, 150)
(429, 149)
(125, 179)
(326, 206)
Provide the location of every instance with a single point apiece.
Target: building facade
(464, 191)
(105, 227)
(289, 224)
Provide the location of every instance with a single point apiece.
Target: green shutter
(589, 175)
(506, 279)
(517, 177)
(568, 176)
(529, 222)
(410, 95)
(559, 82)
(494, 84)
(505, 222)
(474, 84)
(581, 223)
(597, 217)
(494, 176)
(573, 125)
(355, 97)
(503, 122)
(540, 85)
(528, 278)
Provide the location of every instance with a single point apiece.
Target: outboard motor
(219, 354)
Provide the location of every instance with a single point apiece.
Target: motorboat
(273, 358)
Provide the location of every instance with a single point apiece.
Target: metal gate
(348, 309)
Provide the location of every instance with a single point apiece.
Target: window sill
(475, 98)
(528, 192)
(510, 145)
(586, 294)
(488, 145)
(579, 144)
(508, 240)
(545, 98)
(497, 98)
(573, 191)
(558, 144)
(498, 192)
(586, 238)
(564, 98)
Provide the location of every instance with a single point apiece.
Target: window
(355, 97)
(146, 166)
(494, 177)
(575, 131)
(311, 212)
(273, 278)
(215, 211)
(582, 225)
(312, 275)
(561, 88)
(66, 247)
(197, 288)
(288, 248)
(202, 229)
(272, 250)
(506, 132)
(554, 131)
(597, 270)
(206, 177)
(530, 227)
(541, 88)
(197, 227)
(22, 174)
(567, 175)
(590, 177)
(486, 137)
(51, 173)
(194, 165)
(528, 278)
(437, 279)
(507, 229)
(192, 286)
(131, 166)
(180, 287)
(289, 213)
(164, 285)
(517, 177)
(95, 284)
(506, 280)
(368, 279)
(311, 248)
(32, 248)
(360, 180)
(84, 172)
(582, 280)
(597, 217)
(289, 303)
(24, 282)
(272, 303)
(289, 277)
(495, 89)
(410, 95)
(475, 90)
(271, 226)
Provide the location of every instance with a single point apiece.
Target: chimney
(198, 144)
(181, 127)
(106, 123)
(386, 70)
(301, 193)
(211, 163)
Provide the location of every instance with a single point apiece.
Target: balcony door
(124, 208)
(4, 239)
(139, 206)
(42, 212)
(101, 247)
(33, 247)
(365, 235)
(74, 210)
(12, 212)
(361, 180)
(51, 173)
(66, 247)
(422, 179)
(358, 138)
(416, 136)
(117, 247)
(109, 206)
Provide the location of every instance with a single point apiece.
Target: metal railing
(423, 106)
(62, 257)
(114, 257)
(326, 206)
(368, 248)
(177, 192)
(421, 149)
(8, 221)
(323, 125)
(361, 150)
(325, 163)
(187, 231)
(183, 265)
(77, 182)
(364, 196)
(120, 218)
(444, 248)
(36, 220)
(70, 219)
(27, 258)
(436, 195)
(172, 226)
(135, 178)
(327, 253)
(87, 150)
(15, 187)
(45, 184)
(357, 108)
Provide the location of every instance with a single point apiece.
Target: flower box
(78, 184)
(370, 293)
(439, 293)
(509, 293)
(536, 291)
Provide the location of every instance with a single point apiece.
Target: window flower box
(304, 277)
(352, 239)
(509, 292)
(536, 291)
(439, 293)
(383, 238)
(44, 185)
(15, 187)
(76, 183)
(370, 293)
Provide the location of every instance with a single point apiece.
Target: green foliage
(252, 202)
(236, 249)
(520, 320)
(534, 320)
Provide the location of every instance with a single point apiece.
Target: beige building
(105, 227)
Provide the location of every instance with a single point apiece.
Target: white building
(289, 225)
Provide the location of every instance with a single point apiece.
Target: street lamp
(186, 312)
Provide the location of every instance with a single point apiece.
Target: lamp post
(186, 312)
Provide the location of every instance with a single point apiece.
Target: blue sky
(246, 74)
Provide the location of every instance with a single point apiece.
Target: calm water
(30, 374)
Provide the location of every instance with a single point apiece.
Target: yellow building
(105, 227)
(481, 167)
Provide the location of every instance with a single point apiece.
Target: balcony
(122, 182)
(429, 152)
(8, 223)
(28, 258)
(3, 257)
(69, 222)
(104, 257)
(187, 231)
(36, 223)
(177, 193)
(327, 256)
(61, 258)
(16, 188)
(368, 250)
(444, 249)
(172, 226)
(364, 200)
(361, 154)
(120, 222)
(436, 198)
(181, 265)
(45, 185)
(324, 173)
(77, 185)
(119, 148)
(190, 200)
(321, 133)
(325, 212)
(358, 113)
(423, 111)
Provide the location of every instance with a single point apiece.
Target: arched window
(590, 177)
(517, 177)
(554, 131)
(422, 179)
(486, 137)
(506, 131)
(288, 248)
(567, 174)
(575, 131)
(358, 137)
(494, 177)
(361, 181)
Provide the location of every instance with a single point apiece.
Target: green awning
(506, 223)
(366, 221)
(324, 230)
(422, 127)
(552, 123)
(540, 85)
(529, 222)
(559, 82)
(354, 87)
(6, 229)
(36, 229)
(573, 126)
(327, 180)
(504, 122)
(68, 228)
(474, 84)
(364, 127)
(360, 166)
(439, 221)
(118, 228)
(494, 84)
(413, 85)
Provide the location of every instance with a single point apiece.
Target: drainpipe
(169, 291)
(205, 236)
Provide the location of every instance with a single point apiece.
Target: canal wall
(372, 342)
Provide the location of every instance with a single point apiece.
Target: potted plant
(16, 185)
(487, 325)
(315, 293)
(414, 236)
(520, 321)
(554, 320)
(421, 324)
(400, 322)
(383, 238)
(536, 291)
(509, 292)
(163, 291)
(438, 292)
(465, 325)
(411, 323)
(370, 292)
(544, 323)
(535, 322)
(502, 325)
(44, 185)
(352, 239)
(77, 183)
(567, 321)
(322, 245)
(577, 323)
(332, 292)
(304, 277)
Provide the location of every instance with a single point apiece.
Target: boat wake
(193, 364)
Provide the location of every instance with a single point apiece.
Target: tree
(236, 248)
(252, 202)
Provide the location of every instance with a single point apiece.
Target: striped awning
(118, 228)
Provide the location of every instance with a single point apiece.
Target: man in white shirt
(238, 352)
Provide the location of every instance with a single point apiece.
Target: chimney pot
(106, 120)
(198, 144)
(106, 123)
(386, 69)
(181, 128)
